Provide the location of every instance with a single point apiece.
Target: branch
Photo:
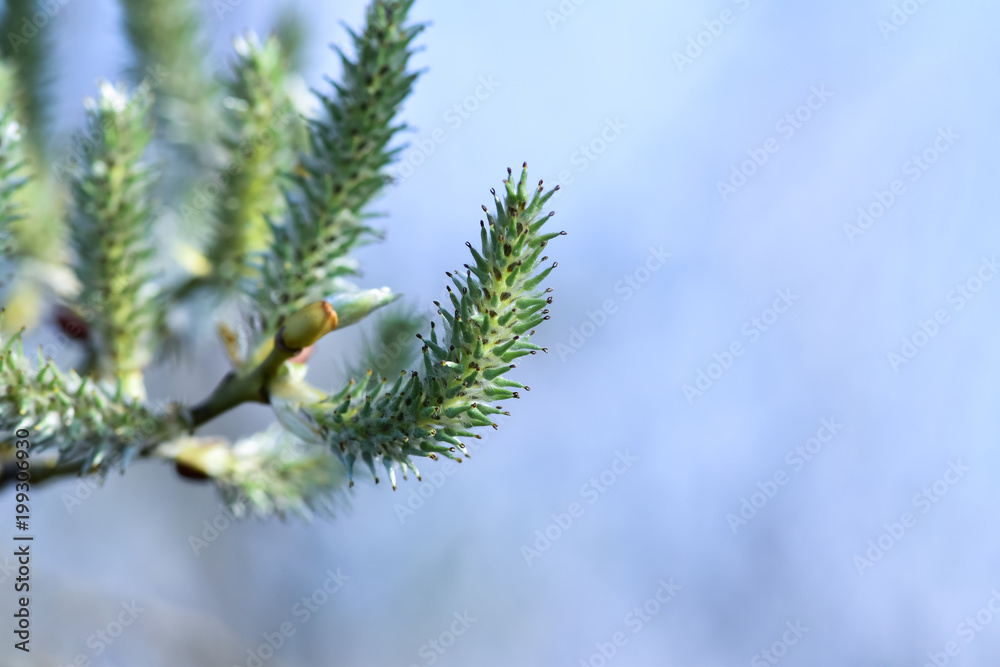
(300, 331)
(40, 472)
(496, 306)
(96, 428)
(92, 425)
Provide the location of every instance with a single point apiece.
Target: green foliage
(275, 473)
(165, 36)
(289, 30)
(262, 124)
(309, 258)
(24, 46)
(285, 215)
(93, 426)
(36, 237)
(11, 163)
(494, 310)
(111, 191)
(268, 473)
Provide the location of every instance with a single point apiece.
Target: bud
(351, 307)
(71, 323)
(200, 458)
(308, 325)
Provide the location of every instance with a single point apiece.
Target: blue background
(618, 389)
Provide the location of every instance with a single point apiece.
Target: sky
(766, 428)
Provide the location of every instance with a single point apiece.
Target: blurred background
(766, 429)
